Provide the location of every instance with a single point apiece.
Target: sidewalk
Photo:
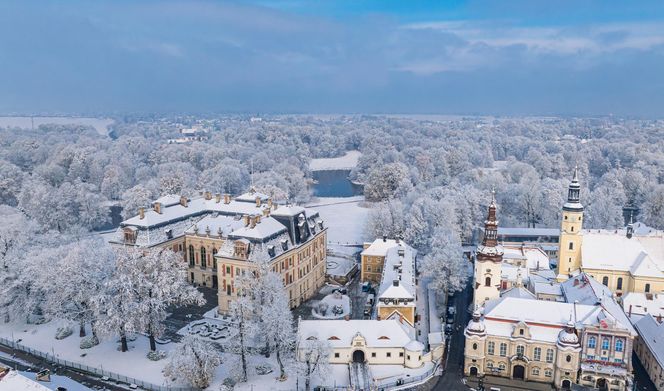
(506, 384)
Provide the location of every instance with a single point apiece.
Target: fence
(391, 384)
(90, 370)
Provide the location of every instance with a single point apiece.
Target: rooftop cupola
(573, 203)
(476, 325)
(630, 226)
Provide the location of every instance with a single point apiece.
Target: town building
(637, 305)
(221, 237)
(625, 260)
(650, 348)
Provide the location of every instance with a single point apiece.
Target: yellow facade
(302, 268)
(569, 245)
(372, 268)
(385, 311)
(199, 255)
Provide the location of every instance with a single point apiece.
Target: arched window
(487, 281)
(605, 281)
(592, 342)
(568, 358)
(474, 346)
(491, 346)
(571, 245)
(537, 354)
(647, 288)
(619, 285)
(571, 230)
(520, 350)
(192, 259)
(549, 355)
(203, 258)
(605, 344)
(214, 260)
(619, 345)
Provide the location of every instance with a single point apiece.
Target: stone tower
(569, 244)
(489, 260)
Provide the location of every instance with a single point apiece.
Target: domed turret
(476, 326)
(567, 336)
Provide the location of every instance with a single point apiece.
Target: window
(192, 261)
(571, 229)
(568, 358)
(549, 355)
(537, 354)
(388, 354)
(619, 284)
(619, 345)
(520, 331)
(373, 355)
(605, 281)
(336, 355)
(647, 288)
(548, 373)
(487, 281)
(400, 354)
(491, 346)
(474, 346)
(501, 366)
(520, 349)
(503, 349)
(592, 342)
(536, 371)
(203, 258)
(571, 245)
(605, 344)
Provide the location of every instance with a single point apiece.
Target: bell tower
(488, 261)
(569, 244)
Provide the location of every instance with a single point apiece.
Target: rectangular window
(491, 346)
(336, 355)
(389, 354)
(373, 355)
(400, 354)
(503, 350)
(549, 355)
(537, 354)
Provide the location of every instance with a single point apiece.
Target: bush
(156, 355)
(63, 332)
(88, 342)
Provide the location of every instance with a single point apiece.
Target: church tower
(569, 244)
(488, 261)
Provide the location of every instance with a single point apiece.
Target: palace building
(625, 260)
(221, 237)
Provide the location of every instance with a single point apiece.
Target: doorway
(519, 372)
(602, 384)
(567, 385)
(358, 356)
(473, 371)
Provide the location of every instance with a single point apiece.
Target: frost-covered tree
(387, 219)
(135, 198)
(445, 264)
(388, 181)
(77, 274)
(314, 360)
(277, 320)
(243, 313)
(11, 180)
(193, 360)
(653, 208)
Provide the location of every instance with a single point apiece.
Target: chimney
(629, 314)
(252, 221)
(384, 238)
(141, 212)
(395, 283)
(246, 220)
(227, 198)
(258, 202)
(269, 202)
(266, 212)
(258, 219)
(217, 198)
(208, 195)
(157, 207)
(184, 201)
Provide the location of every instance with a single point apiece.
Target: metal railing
(90, 370)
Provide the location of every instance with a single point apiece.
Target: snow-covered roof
(642, 255)
(288, 210)
(379, 247)
(637, 304)
(652, 334)
(340, 333)
(525, 232)
(217, 223)
(251, 196)
(584, 289)
(532, 257)
(14, 381)
(398, 277)
(168, 200)
(547, 288)
(518, 292)
(265, 228)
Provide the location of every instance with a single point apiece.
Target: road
(453, 366)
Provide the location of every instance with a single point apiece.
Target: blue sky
(453, 57)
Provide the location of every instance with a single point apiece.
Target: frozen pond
(334, 183)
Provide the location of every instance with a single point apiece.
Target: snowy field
(345, 217)
(100, 124)
(346, 162)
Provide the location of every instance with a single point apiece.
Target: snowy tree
(386, 218)
(604, 208)
(653, 208)
(11, 180)
(445, 264)
(242, 310)
(315, 359)
(388, 181)
(194, 360)
(15, 230)
(77, 275)
(135, 198)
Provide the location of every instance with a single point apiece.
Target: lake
(334, 183)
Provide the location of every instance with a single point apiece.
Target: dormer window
(130, 234)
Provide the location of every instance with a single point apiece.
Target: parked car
(448, 329)
(366, 286)
(451, 311)
(450, 319)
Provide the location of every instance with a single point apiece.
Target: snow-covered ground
(58, 381)
(346, 162)
(100, 124)
(339, 266)
(345, 217)
(332, 300)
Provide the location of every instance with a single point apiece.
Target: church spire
(491, 224)
(573, 203)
